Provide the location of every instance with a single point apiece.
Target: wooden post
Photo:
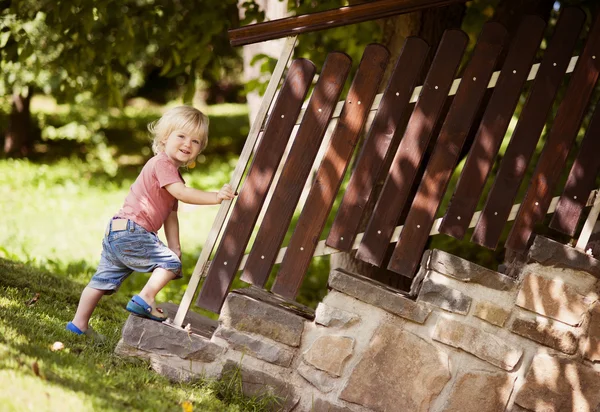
(242, 163)
(584, 236)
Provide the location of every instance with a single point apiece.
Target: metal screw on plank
(574, 197)
(474, 78)
(436, 87)
(397, 94)
(342, 238)
(225, 263)
(320, 110)
(379, 232)
(418, 226)
(262, 257)
(282, 116)
(554, 64)
(458, 217)
(536, 203)
(495, 213)
(514, 71)
(359, 102)
(301, 248)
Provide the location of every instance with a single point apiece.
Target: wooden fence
(351, 117)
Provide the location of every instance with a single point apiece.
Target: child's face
(182, 147)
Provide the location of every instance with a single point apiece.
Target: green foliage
(104, 48)
(85, 375)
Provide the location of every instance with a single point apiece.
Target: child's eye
(195, 141)
(181, 136)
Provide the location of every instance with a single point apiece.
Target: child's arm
(172, 233)
(198, 197)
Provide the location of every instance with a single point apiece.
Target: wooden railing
(292, 26)
(350, 117)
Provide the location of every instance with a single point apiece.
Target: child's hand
(226, 193)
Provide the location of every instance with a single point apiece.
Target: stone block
(334, 317)
(592, 339)
(490, 348)
(267, 297)
(398, 371)
(553, 298)
(545, 334)
(257, 346)
(491, 313)
(329, 353)
(257, 383)
(200, 325)
(173, 367)
(156, 337)
(466, 271)
(378, 294)
(248, 314)
(320, 405)
(558, 384)
(551, 253)
(477, 391)
(319, 379)
(444, 297)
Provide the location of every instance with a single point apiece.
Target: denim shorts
(132, 249)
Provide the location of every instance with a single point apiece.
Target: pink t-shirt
(148, 203)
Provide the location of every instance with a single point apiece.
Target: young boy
(131, 242)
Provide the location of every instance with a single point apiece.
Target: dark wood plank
(529, 128)
(331, 170)
(412, 147)
(260, 175)
(562, 135)
(493, 127)
(296, 169)
(291, 26)
(394, 102)
(581, 180)
(414, 235)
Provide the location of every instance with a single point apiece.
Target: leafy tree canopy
(104, 47)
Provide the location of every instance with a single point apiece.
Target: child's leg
(87, 303)
(158, 280)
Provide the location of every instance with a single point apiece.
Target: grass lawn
(84, 375)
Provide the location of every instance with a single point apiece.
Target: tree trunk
(18, 140)
(274, 9)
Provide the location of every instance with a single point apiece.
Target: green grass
(84, 375)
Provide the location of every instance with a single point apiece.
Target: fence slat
(493, 127)
(581, 180)
(529, 128)
(562, 135)
(297, 168)
(394, 102)
(412, 147)
(253, 192)
(331, 170)
(455, 129)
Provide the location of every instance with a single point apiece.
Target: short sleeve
(167, 173)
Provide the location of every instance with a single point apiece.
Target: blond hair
(185, 118)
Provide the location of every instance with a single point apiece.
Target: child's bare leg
(158, 280)
(87, 303)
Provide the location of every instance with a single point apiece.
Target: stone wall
(465, 339)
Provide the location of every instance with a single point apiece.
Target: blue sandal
(139, 307)
(91, 333)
